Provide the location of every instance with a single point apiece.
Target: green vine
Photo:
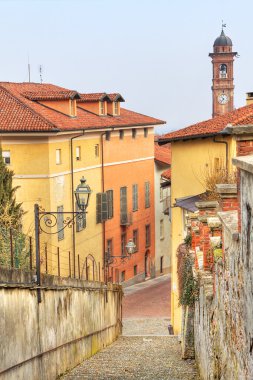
(188, 286)
(188, 240)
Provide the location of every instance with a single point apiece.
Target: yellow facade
(189, 160)
(43, 181)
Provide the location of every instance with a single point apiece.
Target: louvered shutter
(110, 203)
(60, 224)
(99, 209)
(104, 207)
(147, 194)
(135, 197)
(123, 205)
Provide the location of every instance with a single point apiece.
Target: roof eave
(191, 137)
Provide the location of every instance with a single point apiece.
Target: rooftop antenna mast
(40, 71)
(29, 70)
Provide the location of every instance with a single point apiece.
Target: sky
(153, 52)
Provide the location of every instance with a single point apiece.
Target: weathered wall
(224, 311)
(74, 320)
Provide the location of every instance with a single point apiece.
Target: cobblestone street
(145, 351)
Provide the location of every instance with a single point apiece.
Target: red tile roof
(163, 154)
(18, 113)
(100, 96)
(94, 97)
(166, 174)
(240, 116)
(116, 97)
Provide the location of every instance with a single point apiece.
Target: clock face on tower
(222, 99)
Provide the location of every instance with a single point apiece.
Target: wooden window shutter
(60, 224)
(104, 207)
(102, 211)
(99, 209)
(123, 205)
(110, 203)
(147, 194)
(135, 197)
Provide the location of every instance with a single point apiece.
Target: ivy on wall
(187, 285)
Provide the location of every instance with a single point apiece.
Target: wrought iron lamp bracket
(48, 220)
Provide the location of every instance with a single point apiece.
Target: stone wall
(223, 325)
(43, 340)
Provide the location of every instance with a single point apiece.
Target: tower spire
(223, 81)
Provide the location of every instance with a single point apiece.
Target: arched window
(223, 70)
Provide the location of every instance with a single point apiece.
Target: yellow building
(51, 137)
(195, 150)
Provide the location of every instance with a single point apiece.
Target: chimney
(249, 98)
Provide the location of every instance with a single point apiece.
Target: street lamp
(82, 194)
(130, 249)
(45, 221)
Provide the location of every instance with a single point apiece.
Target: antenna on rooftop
(41, 71)
(29, 70)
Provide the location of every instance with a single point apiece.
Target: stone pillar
(228, 196)
(207, 209)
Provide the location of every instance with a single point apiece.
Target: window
(97, 150)
(60, 224)
(147, 194)
(78, 153)
(161, 229)
(121, 134)
(134, 133)
(109, 194)
(107, 135)
(135, 197)
(58, 156)
(80, 220)
(123, 205)
(136, 239)
(6, 157)
(116, 108)
(145, 132)
(102, 108)
(135, 270)
(147, 235)
(102, 208)
(123, 275)
(161, 264)
(109, 247)
(223, 70)
(123, 244)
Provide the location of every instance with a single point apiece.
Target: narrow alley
(145, 350)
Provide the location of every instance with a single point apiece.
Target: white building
(162, 209)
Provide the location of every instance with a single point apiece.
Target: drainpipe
(226, 143)
(73, 201)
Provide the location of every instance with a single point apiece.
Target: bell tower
(223, 80)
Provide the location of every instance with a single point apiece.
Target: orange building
(129, 177)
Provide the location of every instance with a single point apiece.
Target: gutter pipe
(226, 143)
